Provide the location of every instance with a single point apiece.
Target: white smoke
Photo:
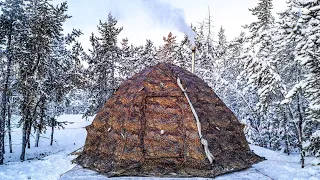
(166, 15)
(159, 13)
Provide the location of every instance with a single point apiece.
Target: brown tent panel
(147, 128)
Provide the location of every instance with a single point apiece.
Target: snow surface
(55, 162)
(277, 167)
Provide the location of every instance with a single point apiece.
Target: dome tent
(165, 121)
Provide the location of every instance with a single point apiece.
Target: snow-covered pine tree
(307, 53)
(220, 78)
(149, 54)
(260, 70)
(229, 68)
(12, 32)
(44, 69)
(182, 54)
(126, 57)
(265, 19)
(208, 27)
(230, 92)
(167, 50)
(222, 44)
(136, 61)
(296, 53)
(174, 52)
(290, 72)
(62, 73)
(103, 62)
(205, 64)
(313, 144)
(77, 101)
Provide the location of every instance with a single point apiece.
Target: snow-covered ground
(45, 162)
(53, 162)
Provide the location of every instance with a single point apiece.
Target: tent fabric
(147, 128)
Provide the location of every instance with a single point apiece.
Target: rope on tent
(204, 142)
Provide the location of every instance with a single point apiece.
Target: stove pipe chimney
(193, 58)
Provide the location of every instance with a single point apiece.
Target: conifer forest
(269, 75)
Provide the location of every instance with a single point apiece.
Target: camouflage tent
(165, 121)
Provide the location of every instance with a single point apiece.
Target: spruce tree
(205, 64)
(103, 62)
(47, 69)
(12, 29)
(260, 70)
(222, 43)
(290, 71)
(149, 54)
(308, 54)
(169, 48)
(182, 54)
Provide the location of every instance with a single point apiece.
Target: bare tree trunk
(9, 128)
(26, 128)
(24, 138)
(28, 136)
(4, 102)
(3, 147)
(51, 139)
(286, 136)
(38, 132)
(52, 130)
(37, 138)
(300, 135)
(269, 135)
(39, 126)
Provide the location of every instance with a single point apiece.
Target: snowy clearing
(55, 161)
(277, 166)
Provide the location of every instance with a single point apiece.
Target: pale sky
(151, 19)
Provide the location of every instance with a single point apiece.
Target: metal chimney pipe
(193, 58)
